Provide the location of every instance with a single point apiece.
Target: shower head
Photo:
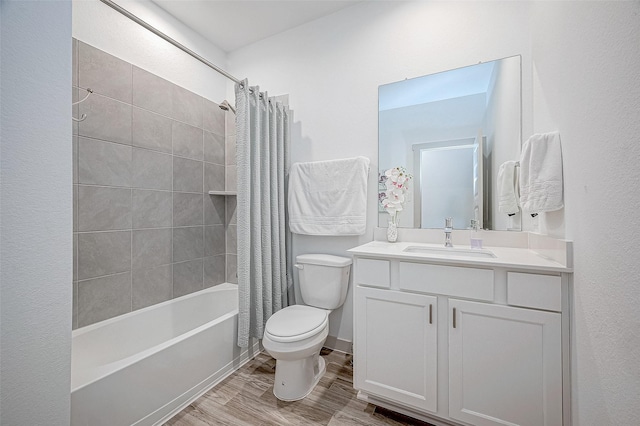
(225, 106)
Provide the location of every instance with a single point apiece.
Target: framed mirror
(452, 131)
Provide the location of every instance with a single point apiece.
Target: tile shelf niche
(230, 193)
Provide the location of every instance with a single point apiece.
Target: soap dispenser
(476, 240)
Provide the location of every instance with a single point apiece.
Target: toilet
(295, 335)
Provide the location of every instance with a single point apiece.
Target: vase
(392, 232)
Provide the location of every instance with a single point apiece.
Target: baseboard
(339, 345)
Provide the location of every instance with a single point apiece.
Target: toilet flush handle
(299, 266)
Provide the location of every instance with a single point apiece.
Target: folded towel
(541, 173)
(507, 192)
(329, 197)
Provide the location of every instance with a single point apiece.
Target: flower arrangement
(396, 181)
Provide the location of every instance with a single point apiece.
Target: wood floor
(246, 398)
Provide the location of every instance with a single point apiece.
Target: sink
(450, 251)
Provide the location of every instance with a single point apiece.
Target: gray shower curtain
(264, 269)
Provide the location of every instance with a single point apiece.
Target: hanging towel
(541, 173)
(329, 197)
(507, 189)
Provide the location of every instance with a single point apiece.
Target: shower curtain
(264, 269)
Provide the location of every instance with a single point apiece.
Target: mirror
(452, 131)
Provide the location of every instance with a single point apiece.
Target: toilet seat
(296, 323)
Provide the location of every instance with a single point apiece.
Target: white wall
(587, 57)
(332, 68)
(580, 62)
(36, 215)
(100, 26)
(504, 129)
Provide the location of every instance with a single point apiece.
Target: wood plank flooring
(246, 398)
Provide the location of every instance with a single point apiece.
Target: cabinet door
(395, 346)
(505, 365)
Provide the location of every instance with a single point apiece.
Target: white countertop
(506, 257)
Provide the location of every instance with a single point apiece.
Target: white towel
(329, 197)
(507, 192)
(541, 173)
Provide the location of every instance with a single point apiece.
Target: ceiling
(232, 24)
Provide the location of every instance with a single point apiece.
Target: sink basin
(450, 251)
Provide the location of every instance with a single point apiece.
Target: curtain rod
(168, 39)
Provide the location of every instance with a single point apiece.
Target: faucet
(448, 227)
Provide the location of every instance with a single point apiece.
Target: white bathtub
(143, 367)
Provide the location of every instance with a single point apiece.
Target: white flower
(397, 186)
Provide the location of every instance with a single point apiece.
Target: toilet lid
(297, 321)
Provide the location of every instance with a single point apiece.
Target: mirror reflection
(451, 131)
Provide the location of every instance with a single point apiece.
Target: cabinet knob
(430, 314)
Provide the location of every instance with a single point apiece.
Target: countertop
(506, 257)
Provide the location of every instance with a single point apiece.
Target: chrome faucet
(448, 227)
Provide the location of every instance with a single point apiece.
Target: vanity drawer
(373, 273)
(470, 283)
(534, 291)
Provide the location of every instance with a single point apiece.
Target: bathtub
(143, 367)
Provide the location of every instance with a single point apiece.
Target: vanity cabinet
(492, 354)
(396, 350)
(505, 365)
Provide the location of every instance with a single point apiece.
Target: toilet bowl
(295, 335)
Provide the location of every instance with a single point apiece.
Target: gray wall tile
(151, 286)
(154, 191)
(107, 119)
(186, 106)
(103, 209)
(74, 309)
(214, 240)
(103, 163)
(213, 177)
(151, 209)
(231, 178)
(232, 239)
(187, 175)
(188, 243)
(187, 277)
(230, 150)
(214, 150)
(75, 110)
(152, 92)
(232, 268)
(214, 209)
(152, 170)
(214, 270)
(151, 130)
(151, 247)
(103, 253)
(75, 208)
(187, 209)
(230, 123)
(75, 158)
(104, 73)
(75, 256)
(231, 217)
(213, 118)
(103, 298)
(187, 141)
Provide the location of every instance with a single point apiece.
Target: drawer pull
(454, 317)
(430, 314)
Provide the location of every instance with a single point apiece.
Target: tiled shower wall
(145, 228)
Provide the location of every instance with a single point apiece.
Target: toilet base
(296, 379)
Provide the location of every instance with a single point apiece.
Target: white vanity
(462, 336)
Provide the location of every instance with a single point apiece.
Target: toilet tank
(324, 279)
